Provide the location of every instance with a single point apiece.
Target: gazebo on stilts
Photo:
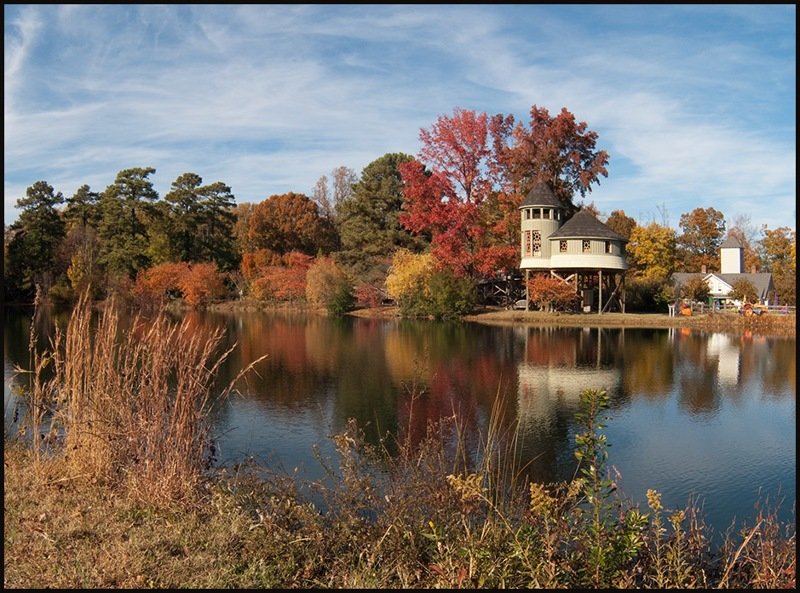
(580, 251)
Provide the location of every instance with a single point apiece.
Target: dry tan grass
(130, 405)
(432, 529)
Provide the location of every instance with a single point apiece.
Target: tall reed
(41, 396)
(132, 405)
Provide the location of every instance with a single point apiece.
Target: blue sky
(694, 103)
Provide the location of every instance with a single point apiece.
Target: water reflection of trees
(451, 371)
(772, 361)
(717, 367)
(648, 363)
(398, 377)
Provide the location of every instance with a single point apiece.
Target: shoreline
(773, 325)
(779, 325)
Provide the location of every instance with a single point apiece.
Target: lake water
(709, 417)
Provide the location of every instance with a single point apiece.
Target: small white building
(581, 250)
(720, 284)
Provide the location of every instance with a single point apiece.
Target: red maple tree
(465, 188)
(556, 149)
(452, 193)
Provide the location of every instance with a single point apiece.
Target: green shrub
(450, 296)
(341, 300)
(648, 296)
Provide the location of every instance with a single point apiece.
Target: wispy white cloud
(19, 36)
(268, 98)
(671, 113)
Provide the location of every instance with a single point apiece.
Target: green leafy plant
(609, 542)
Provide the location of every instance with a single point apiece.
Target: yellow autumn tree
(423, 287)
(409, 275)
(651, 252)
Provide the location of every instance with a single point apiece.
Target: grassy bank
(773, 324)
(110, 486)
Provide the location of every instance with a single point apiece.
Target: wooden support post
(600, 292)
(527, 297)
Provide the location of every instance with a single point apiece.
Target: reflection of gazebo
(580, 251)
(542, 384)
(540, 388)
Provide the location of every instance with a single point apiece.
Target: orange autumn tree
(276, 277)
(197, 283)
(284, 232)
(290, 222)
(153, 285)
(255, 263)
(549, 293)
(201, 283)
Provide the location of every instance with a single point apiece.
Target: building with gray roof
(581, 250)
(721, 283)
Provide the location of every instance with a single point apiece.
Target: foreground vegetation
(110, 485)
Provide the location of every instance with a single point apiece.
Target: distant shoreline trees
(456, 202)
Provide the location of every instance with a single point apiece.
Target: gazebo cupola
(542, 214)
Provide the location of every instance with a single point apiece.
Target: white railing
(700, 308)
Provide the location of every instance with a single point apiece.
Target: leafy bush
(201, 283)
(61, 293)
(422, 289)
(408, 274)
(328, 286)
(648, 296)
(695, 289)
(743, 290)
(154, 285)
(197, 283)
(450, 296)
(280, 279)
(367, 295)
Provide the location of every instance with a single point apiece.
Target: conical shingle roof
(584, 225)
(542, 195)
